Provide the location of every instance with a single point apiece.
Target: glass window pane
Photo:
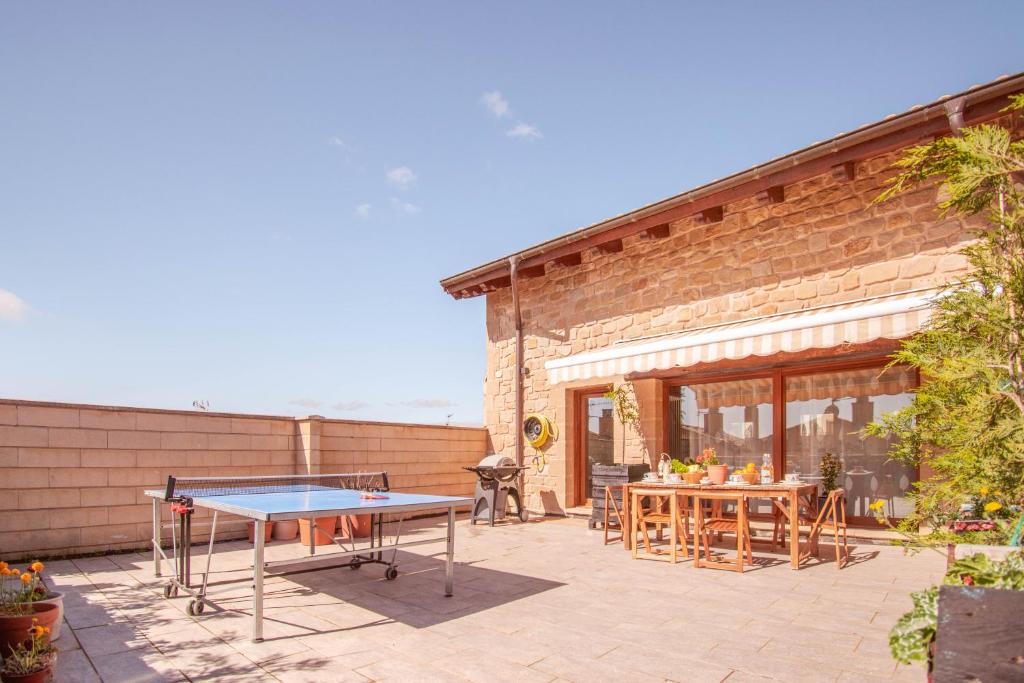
(599, 442)
(825, 412)
(734, 418)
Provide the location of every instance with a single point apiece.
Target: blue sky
(252, 203)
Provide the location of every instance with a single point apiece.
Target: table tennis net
(203, 487)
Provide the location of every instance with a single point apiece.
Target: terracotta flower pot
(286, 530)
(718, 473)
(14, 629)
(752, 477)
(325, 527)
(58, 600)
(268, 530)
(355, 526)
(44, 675)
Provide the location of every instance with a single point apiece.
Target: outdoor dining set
(698, 515)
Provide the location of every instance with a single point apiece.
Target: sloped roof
(921, 122)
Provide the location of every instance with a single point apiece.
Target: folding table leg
(257, 582)
(449, 565)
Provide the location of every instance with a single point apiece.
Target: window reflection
(734, 418)
(825, 412)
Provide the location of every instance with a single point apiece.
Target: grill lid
(496, 460)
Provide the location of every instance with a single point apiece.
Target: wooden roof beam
(845, 171)
(531, 271)
(573, 259)
(776, 194)
(658, 232)
(609, 247)
(713, 214)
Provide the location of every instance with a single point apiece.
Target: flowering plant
(708, 457)
(18, 589)
(37, 656)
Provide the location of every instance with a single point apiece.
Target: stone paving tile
(98, 641)
(581, 669)
(145, 665)
(483, 666)
(536, 602)
(74, 665)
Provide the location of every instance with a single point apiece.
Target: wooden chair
(656, 514)
(717, 524)
(832, 516)
(612, 509)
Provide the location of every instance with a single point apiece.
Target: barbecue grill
(495, 484)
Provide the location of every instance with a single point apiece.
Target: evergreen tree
(967, 417)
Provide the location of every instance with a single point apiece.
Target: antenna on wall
(448, 419)
(201, 405)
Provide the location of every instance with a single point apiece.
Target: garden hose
(537, 429)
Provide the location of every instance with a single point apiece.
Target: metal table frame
(372, 553)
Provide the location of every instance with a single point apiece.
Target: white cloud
(524, 131)
(12, 307)
(351, 405)
(429, 403)
(363, 211)
(496, 103)
(401, 177)
(337, 142)
(306, 403)
(405, 207)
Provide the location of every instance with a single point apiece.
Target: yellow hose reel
(537, 429)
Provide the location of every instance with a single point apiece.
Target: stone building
(753, 315)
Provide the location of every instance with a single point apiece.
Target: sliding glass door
(797, 415)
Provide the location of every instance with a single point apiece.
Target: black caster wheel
(355, 565)
(391, 574)
(195, 608)
(170, 591)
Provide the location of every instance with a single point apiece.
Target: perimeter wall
(72, 476)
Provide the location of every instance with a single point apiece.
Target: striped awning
(822, 327)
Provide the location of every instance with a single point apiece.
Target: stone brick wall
(417, 458)
(72, 476)
(826, 243)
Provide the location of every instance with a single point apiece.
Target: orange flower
(26, 578)
(36, 566)
(3, 566)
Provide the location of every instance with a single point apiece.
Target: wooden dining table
(788, 498)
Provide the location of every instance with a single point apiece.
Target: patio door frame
(582, 416)
(778, 375)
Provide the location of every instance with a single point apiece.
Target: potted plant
(44, 596)
(19, 609)
(689, 471)
(31, 661)
(626, 410)
(717, 472)
(829, 467)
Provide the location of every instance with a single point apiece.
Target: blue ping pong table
(290, 497)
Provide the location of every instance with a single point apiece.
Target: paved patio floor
(542, 601)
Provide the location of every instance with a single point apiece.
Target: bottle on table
(767, 469)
